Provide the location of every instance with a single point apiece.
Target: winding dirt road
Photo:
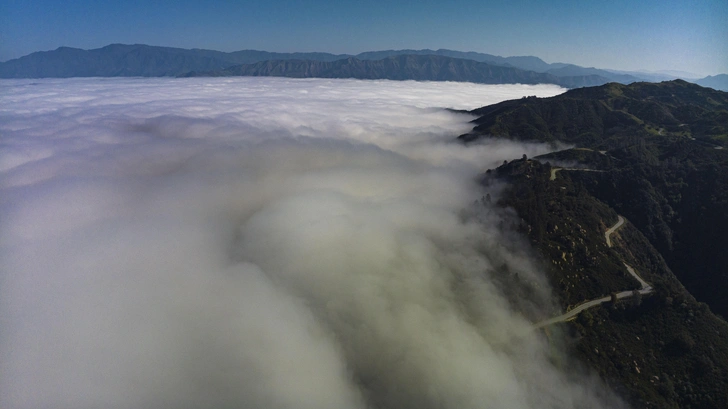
(608, 233)
(553, 173)
(645, 285)
(554, 170)
(574, 312)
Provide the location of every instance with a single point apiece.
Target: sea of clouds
(263, 243)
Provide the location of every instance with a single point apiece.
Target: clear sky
(636, 34)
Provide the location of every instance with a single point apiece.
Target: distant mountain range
(121, 60)
(404, 67)
(719, 82)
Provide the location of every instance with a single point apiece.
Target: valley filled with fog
(263, 243)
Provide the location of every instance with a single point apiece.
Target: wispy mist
(262, 243)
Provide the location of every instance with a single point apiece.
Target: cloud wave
(262, 243)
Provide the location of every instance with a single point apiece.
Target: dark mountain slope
(665, 165)
(662, 350)
(401, 67)
(655, 149)
(604, 116)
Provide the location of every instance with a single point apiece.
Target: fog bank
(262, 243)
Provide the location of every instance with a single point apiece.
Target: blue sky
(630, 35)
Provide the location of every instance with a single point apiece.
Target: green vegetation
(653, 147)
(663, 350)
(679, 200)
(610, 116)
(661, 166)
(567, 226)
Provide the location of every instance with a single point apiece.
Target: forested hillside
(662, 148)
(654, 154)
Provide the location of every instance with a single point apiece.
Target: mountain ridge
(717, 82)
(403, 67)
(654, 154)
(153, 61)
(593, 116)
(665, 164)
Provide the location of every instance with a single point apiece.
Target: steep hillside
(607, 116)
(660, 349)
(655, 155)
(662, 149)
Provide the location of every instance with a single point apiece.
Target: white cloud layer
(261, 243)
